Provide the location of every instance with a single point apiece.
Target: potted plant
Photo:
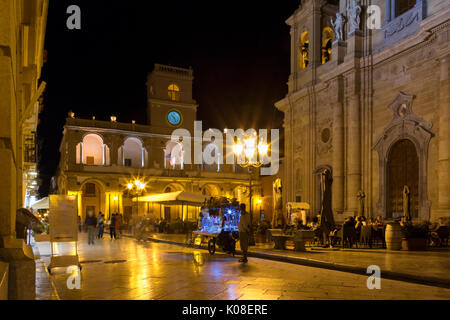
(415, 236)
(261, 232)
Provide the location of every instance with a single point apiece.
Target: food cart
(219, 224)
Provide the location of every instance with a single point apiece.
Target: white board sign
(63, 218)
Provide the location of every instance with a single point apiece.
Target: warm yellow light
(263, 149)
(237, 148)
(250, 147)
(139, 184)
(115, 198)
(130, 186)
(259, 201)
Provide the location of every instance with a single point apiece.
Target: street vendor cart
(219, 224)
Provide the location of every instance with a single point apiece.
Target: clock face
(174, 118)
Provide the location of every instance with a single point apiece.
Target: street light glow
(237, 148)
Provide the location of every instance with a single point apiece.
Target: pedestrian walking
(244, 232)
(91, 223)
(79, 224)
(112, 227)
(118, 226)
(101, 225)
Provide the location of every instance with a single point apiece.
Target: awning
(41, 204)
(298, 205)
(173, 198)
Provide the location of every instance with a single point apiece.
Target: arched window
(174, 155)
(328, 37)
(174, 92)
(92, 150)
(303, 55)
(133, 153)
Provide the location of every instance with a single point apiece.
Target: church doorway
(402, 170)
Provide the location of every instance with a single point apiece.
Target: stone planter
(415, 244)
(301, 237)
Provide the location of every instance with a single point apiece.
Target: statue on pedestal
(353, 14)
(338, 26)
(277, 217)
(361, 196)
(406, 211)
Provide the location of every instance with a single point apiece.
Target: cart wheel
(212, 246)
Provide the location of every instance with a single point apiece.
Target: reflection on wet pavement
(126, 269)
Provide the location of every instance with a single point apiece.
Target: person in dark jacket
(112, 227)
(101, 225)
(91, 224)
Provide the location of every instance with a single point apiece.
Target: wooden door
(403, 169)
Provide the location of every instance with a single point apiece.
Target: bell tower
(169, 99)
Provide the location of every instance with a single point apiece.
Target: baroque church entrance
(403, 154)
(403, 170)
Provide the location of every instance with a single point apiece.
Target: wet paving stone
(125, 269)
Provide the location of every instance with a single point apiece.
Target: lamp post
(136, 187)
(247, 152)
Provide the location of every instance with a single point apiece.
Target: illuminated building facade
(100, 158)
(372, 111)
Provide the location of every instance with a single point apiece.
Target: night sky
(239, 51)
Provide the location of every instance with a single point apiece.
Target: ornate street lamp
(136, 188)
(247, 152)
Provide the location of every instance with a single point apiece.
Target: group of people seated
(350, 231)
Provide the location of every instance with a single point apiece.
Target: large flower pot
(393, 236)
(414, 244)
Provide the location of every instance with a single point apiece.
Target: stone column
(338, 148)
(444, 136)
(353, 153)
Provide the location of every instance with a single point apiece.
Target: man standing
(112, 227)
(101, 225)
(244, 232)
(91, 223)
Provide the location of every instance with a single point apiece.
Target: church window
(328, 37)
(304, 51)
(401, 6)
(89, 189)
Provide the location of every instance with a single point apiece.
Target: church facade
(100, 158)
(369, 105)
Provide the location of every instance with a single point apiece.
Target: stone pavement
(429, 267)
(127, 269)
